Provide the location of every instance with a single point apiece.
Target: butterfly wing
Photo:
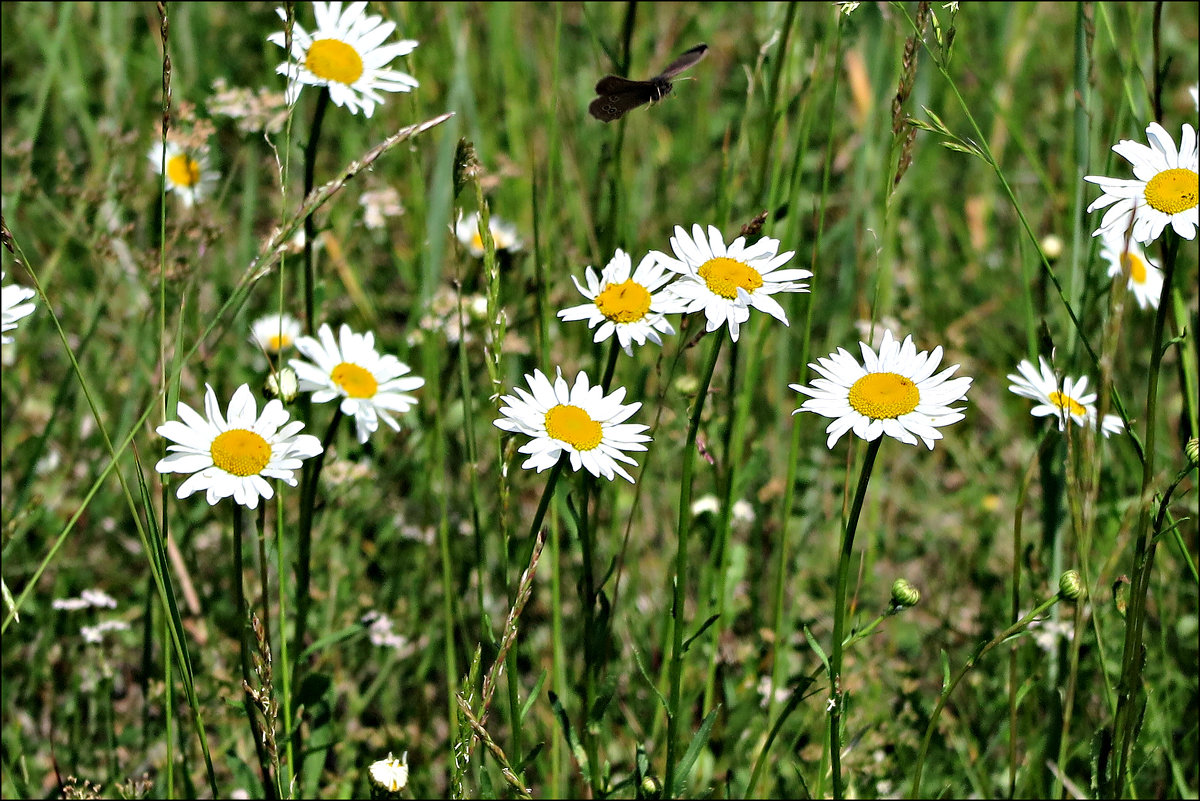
(609, 107)
(612, 85)
(686, 60)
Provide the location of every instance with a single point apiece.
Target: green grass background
(944, 257)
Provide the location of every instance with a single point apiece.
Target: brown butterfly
(619, 95)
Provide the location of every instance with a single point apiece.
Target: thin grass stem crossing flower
(725, 282)
(187, 174)
(504, 234)
(1061, 400)
(1164, 190)
(345, 53)
(579, 421)
(626, 302)
(894, 393)
(274, 333)
(371, 385)
(233, 455)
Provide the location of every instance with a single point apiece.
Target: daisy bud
(651, 787)
(1192, 449)
(1070, 586)
(904, 594)
(283, 385)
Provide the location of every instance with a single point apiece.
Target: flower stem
(310, 226)
(679, 576)
(243, 618)
(839, 619)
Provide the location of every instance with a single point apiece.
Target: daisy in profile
(628, 305)
(345, 53)
(894, 393)
(274, 333)
(579, 420)
(1163, 191)
(1070, 399)
(726, 282)
(389, 776)
(234, 455)
(1145, 278)
(13, 299)
(187, 173)
(371, 385)
(504, 234)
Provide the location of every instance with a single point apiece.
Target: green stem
(949, 688)
(1143, 558)
(310, 226)
(839, 619)
(679, 576)
(308, 500)
(243, 628)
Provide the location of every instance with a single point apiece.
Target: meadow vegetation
(1007, 601)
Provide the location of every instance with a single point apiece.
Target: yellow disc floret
(240, 452)
(354, 380)
(1173, 191)
(884, 396)
(575, 426)
(334, 60)
(627, 302)
(724, 276)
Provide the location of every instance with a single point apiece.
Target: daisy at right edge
(1163, 191)
(894, 393)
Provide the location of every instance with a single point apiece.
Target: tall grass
(554, 635)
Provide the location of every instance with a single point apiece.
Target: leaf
(693, 751)
(569, 735)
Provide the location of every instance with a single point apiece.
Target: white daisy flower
(626, 305)
(371, 385)
(233, 456)
(1145, 277)
(1164, 190)
(390, 775)
(274, 333)
(726, 282)
(504, 234)
(1068, 399)
(345, 53)
(12, 299)
(187, 172)
(894, 393)
(579, 420)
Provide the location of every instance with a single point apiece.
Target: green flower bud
(1192, 449)
(1120, 590)
(904, 593)
(1070, 586)
(651, 787)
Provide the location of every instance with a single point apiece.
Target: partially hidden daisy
(578, 420)
(1061, 400)
(187, 171)
(371, 385)
(390, 775)
(894, 393)
(626, 302)
(345, 53)
(1163, 191)
(234, 455)
(275, 333)
(504, 234)
(13, 299)
(1145, 277)
(725, 282)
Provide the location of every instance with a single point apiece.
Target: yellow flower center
(240, 452)
(334, 60)
(354, 380)
(624, 303)
(1134, 265)
(884, 396)
(476, 241)
(1069, 404)
(723, 276)
(183, 170)
(277, 342)
(1173, 191)
(574, 425)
